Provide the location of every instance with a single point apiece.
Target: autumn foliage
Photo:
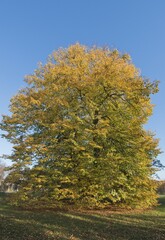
(78, 132)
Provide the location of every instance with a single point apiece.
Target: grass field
(42, 225)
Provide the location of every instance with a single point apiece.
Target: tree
(2, 175)
(161, 187)
(78, 127)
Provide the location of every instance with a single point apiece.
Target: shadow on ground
(27, 225)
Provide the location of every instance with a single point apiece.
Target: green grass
(42, 225)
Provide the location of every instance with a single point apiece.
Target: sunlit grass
(42, 225)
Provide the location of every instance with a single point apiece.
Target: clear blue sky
(31, 29)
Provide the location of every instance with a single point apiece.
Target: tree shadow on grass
(27, 225)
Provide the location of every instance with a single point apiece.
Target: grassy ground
(26, 225)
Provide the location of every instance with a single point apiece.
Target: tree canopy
(78, 133)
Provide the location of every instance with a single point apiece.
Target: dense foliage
(161, 187)
(77, 132)
(2, 175)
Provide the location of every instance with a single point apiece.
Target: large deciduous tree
(78, 132)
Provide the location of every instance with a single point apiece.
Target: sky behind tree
(31, 30)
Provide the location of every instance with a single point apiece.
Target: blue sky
(31, 30)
